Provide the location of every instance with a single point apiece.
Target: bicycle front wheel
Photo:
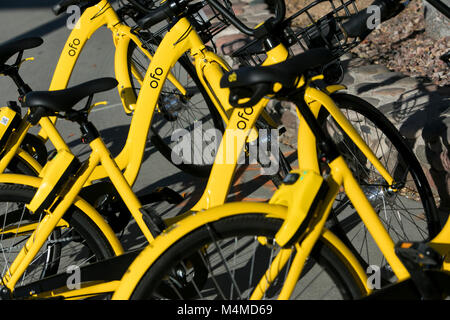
(76, 243)
(231, 257)
(408, 213)
(178, 115)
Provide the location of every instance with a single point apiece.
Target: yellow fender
(335, 87)
(195, 220)
(81, 204)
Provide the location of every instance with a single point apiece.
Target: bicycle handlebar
(172, 8)
(167, 10)
(358, 25)
(62, 6)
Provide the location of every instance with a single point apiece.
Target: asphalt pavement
(24, 18)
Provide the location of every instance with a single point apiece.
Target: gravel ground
(401, 44)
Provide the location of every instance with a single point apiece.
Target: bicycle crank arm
(407, 290)
(161, 194)
(111, 269)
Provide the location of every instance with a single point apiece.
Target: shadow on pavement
(429, 118)
(22, 4)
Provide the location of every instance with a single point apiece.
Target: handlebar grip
(157, 15)
(357, 26)
(252, 95)
(62, 6)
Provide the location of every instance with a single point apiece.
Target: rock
(436, 24)
(388, 77)
(348, 80)
(372, 69)
(393, 92)
(407, 82)
(230, 43)
(372, 101)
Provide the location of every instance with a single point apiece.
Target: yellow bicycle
(36, 231)
(182, 101)
(283, 249)
(54, 199)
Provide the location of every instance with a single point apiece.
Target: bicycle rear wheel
(75, 244)
(179, 113)
(408, 214)
(235, 261)
(36, 148)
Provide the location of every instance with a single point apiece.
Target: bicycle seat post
(88, 131)
(13, 73)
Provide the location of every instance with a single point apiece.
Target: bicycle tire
(161, 142)
(370, 122)
(250, 225)
(36, 148)
(67, 246)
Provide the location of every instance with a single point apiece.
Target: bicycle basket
(208, 22)
(309, 28)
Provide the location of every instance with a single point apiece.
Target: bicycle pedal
(153, 221)
(105, 199)
(418, 258)
(418, 253)
(162, 194)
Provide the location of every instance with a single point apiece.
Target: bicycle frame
(180, 38)
(340, 175)
(100, 154)
(90, 21)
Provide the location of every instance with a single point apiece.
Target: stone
(411, 125)
(372, 69)
(257, 9)
(388, 77)
(355, 63)
(387, 108)
(393, 92)
(228, 31)
(373, 101)
(421, 156)
(239, 8)
(289, 120)
(230, 43)
(407, 82)
(348, 79)
(256, 19)
(436, 24)
(433, 130)
(366, 87)
(363, 87)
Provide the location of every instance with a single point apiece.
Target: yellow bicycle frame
(307, 155)
(179, 39)
(100, 154)
(207, 63)
(154, 250)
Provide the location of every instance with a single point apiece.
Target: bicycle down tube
(180, 39)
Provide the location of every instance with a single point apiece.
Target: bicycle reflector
(55, 175)
(9, 121)
(301, 192)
